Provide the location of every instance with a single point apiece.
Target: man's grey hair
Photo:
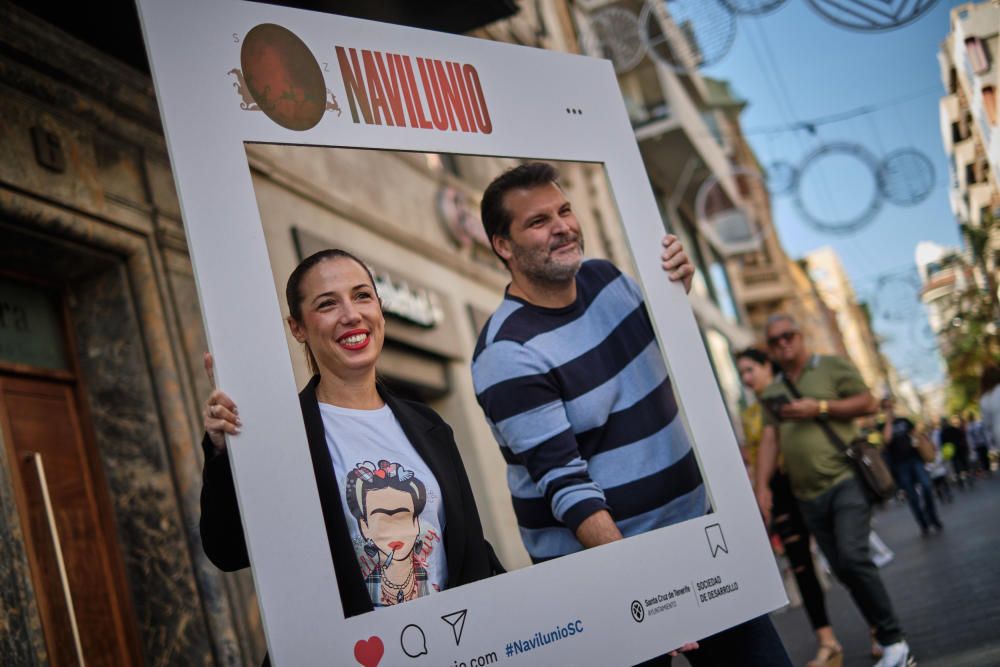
(781, 317)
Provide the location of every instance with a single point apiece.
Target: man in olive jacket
(832, 499)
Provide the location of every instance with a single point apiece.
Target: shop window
(30, 327)
(721, 289)
(720, 354)
(701, 285)
(713, 126)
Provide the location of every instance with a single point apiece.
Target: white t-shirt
(392, 502)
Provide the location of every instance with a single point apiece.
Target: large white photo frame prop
(685, 582)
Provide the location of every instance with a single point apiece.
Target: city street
(946, 588)
(511, 201)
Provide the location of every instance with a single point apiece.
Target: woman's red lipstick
(355, 346)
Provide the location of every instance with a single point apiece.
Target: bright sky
(793, 65)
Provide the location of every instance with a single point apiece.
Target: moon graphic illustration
(283, 77)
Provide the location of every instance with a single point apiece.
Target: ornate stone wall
(106, 227)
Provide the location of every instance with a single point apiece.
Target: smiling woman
(334, 310)
(389, 475)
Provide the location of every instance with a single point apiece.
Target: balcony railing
(759, 275)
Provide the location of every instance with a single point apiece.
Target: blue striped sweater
(581, 405)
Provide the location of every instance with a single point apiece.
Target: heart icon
(369, 651)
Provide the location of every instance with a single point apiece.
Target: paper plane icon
(456, 620)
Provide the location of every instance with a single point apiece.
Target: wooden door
(75, 568)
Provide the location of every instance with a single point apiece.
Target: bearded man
(573, 384)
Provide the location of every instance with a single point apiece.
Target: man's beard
(538, 265)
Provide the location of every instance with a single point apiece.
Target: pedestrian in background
(955, 447)
(937, 469)
(989, 406)
(979, 444)
(908, 468)
(757, 373)
(814, 390)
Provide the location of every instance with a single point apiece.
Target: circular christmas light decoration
(866, 214)
(753, 7)
(614, 34)
(731, 227)
(686, 35)
(906, 177)
(896, 297)
(924, 338)
(872, 15)
(782, 177)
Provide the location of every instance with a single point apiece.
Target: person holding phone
(757, 373)
(824, 390)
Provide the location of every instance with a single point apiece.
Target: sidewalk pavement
(945, 587)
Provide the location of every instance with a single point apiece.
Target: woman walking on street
(757, 372)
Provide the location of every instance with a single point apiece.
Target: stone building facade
(101, 342)
(100, 376)
(827, 272)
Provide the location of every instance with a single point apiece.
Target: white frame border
(191, 47)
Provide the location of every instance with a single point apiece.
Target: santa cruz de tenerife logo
(279, 75)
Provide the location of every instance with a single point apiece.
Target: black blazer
(470, 557)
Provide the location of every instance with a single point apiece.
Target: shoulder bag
(869, 466)
(924, 447)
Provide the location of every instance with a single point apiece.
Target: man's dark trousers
(840, 520)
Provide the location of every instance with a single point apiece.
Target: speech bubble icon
(413, 641)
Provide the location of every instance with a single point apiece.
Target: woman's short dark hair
(367, 477)
(496, 218)
(757, 356)
(293, 288)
